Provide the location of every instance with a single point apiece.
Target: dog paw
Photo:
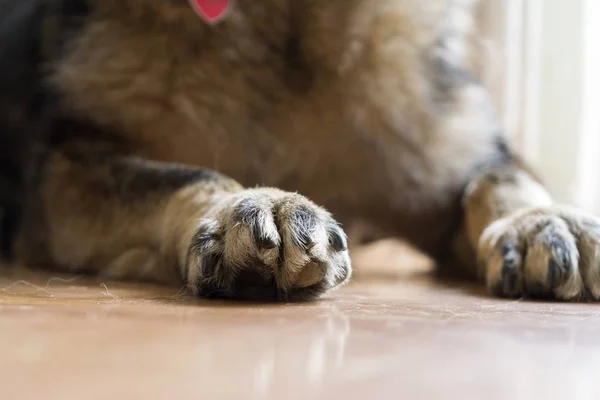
(543, 252)
(265, 244)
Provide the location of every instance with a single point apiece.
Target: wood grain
(403, 337)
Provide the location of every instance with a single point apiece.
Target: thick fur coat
(138, 141)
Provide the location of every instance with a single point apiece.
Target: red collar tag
(212, 11)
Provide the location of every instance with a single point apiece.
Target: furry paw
(543, 252)
(265, 244)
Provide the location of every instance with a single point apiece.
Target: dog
(140, 142)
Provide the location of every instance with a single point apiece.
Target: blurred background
(542, 65)
(540, 60)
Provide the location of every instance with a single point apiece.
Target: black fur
(249, 212)
(21, 102)
(31, 36)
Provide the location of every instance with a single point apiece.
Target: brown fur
(223, 98)
(367, 108)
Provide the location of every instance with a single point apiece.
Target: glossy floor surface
(398, 336)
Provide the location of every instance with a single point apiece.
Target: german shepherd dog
(138, 141)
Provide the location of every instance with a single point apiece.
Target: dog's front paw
(543, 252)
(265, 244)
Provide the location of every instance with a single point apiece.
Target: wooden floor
(402, 336)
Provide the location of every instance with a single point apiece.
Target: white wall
(588, 187)
(550, 94)
(561, 95)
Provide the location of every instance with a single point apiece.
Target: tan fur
(366, 107)
(220, 98)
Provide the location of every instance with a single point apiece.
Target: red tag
(212, 11)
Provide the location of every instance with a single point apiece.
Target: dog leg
(125, 217)
(525, 244)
